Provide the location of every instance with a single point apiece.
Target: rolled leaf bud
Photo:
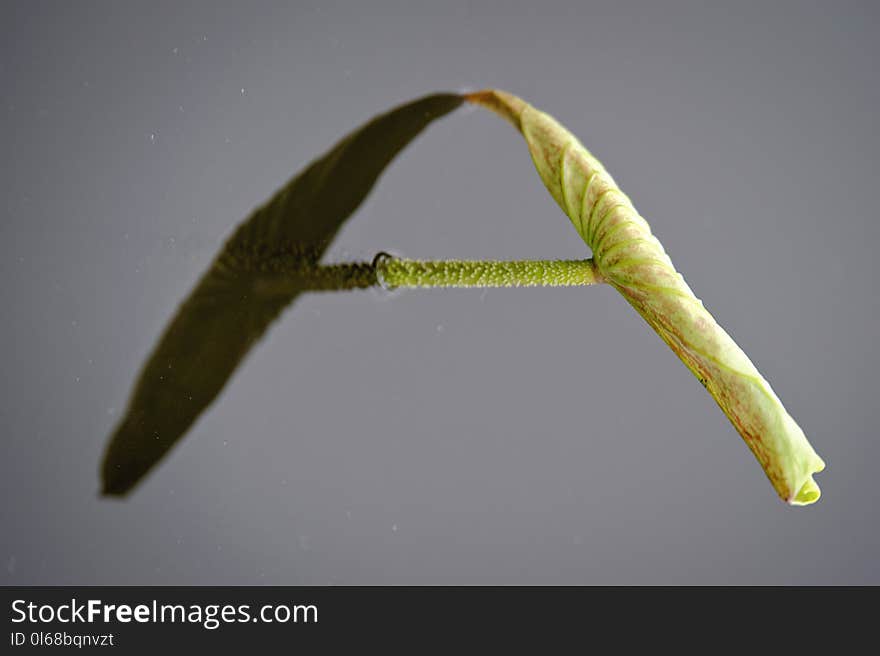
(633, 261)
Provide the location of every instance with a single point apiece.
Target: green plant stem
(393, 272)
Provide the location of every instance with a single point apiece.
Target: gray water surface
(509, 436)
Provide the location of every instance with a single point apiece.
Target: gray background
(508, 436)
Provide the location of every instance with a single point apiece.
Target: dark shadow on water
(271, 258)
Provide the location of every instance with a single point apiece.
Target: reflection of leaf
(250, 282)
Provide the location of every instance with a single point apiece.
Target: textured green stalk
(394, 272)
(634, 262)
